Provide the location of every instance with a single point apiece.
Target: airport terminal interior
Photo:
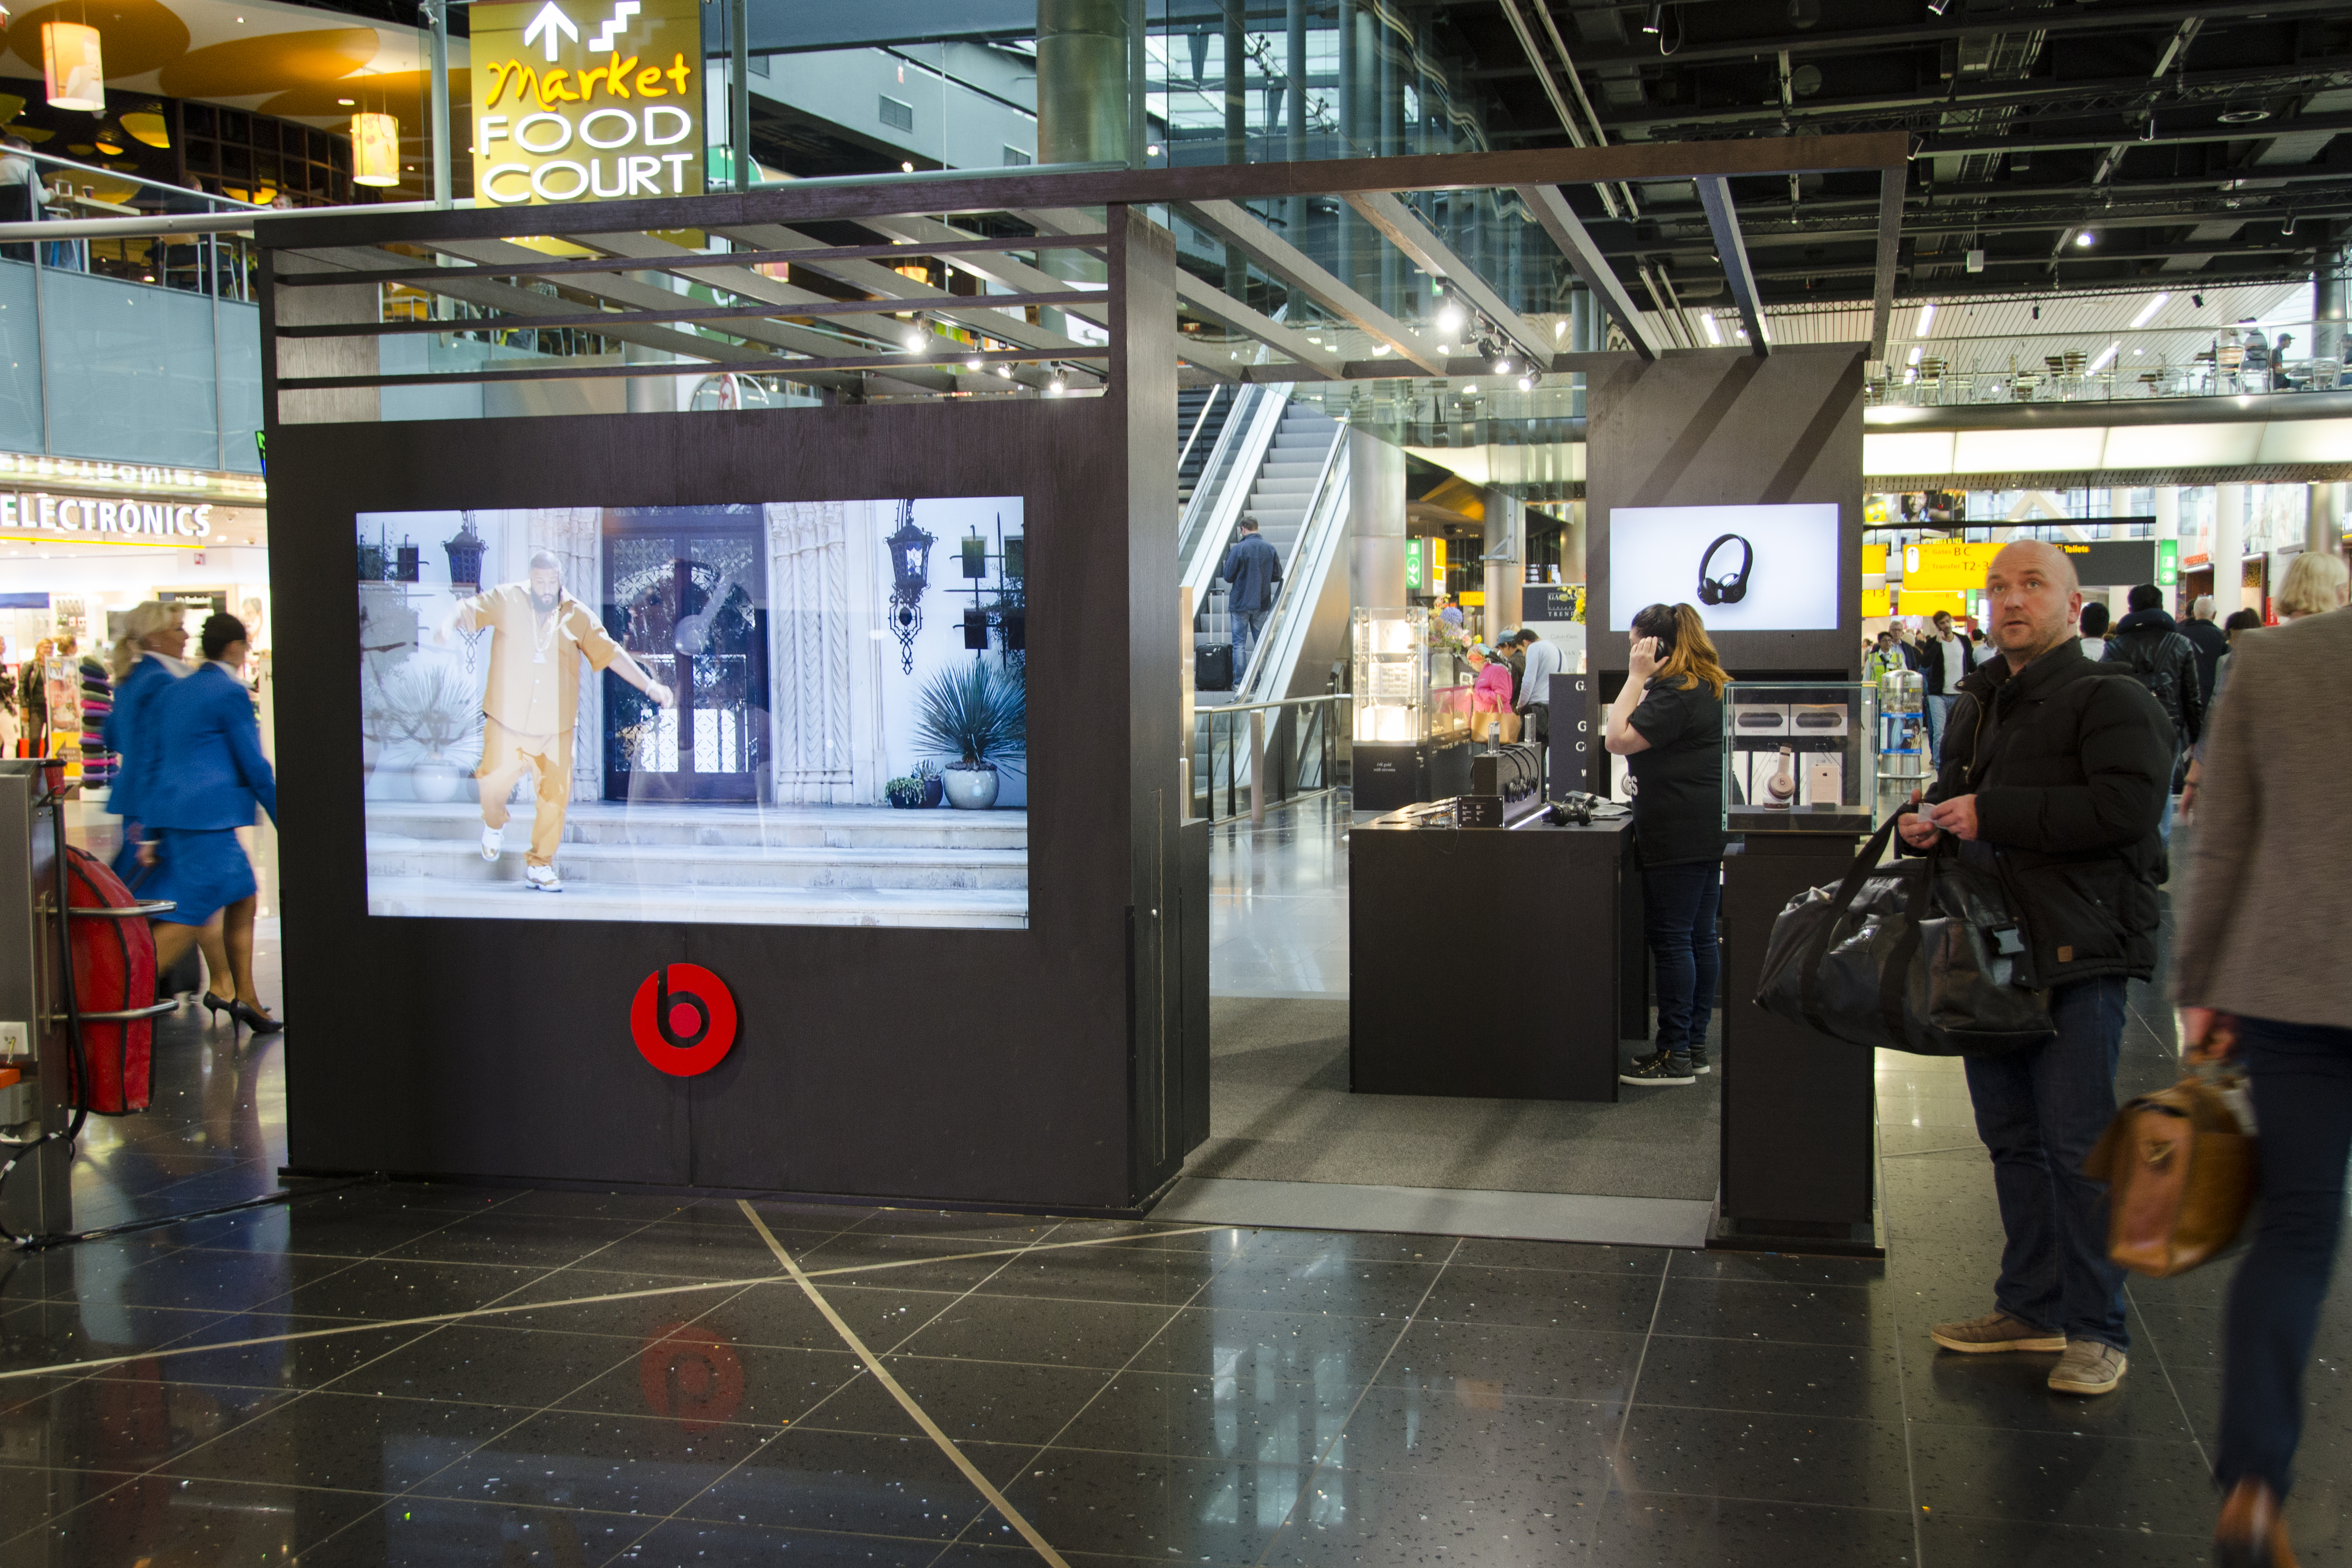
(962, 874)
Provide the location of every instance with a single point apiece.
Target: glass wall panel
(20, 360)
(131, 371)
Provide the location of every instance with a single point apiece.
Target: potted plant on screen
(977, 716)
(435, 706)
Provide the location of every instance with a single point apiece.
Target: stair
(743, 864)
(1193, 461)
(1279, 497)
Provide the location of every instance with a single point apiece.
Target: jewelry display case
(1391, 675)
(1799, 757)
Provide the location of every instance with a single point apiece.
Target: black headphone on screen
(1726, 590)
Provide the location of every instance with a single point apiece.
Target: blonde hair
(142, 621)
(2314, 583)
(1691, 657)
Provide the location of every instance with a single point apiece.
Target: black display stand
(1389, 775)
(1482, 1021)
(1799, 1122)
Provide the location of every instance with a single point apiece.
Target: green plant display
(977, 715)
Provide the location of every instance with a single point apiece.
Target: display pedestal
(1390, 775)
(1799, 1133)
(1531, 1008)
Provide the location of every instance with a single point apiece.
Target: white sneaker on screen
(492, 842)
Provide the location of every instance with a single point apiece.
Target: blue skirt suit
(210, 778)
(131, 735)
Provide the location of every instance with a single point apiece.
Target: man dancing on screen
(533, 698)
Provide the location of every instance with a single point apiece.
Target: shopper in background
(2147, 643)
(1508, 649)
(2307, 592)
(2258, 972)
(2093, 628)
(1541, 661)
(2055, 779)
(2209, 640)
(1884, 654)
(20, 192)
(146, 663)
(11, 730)
(210, 776)
(1253, 575)
(1667, 723)
(1942, 659)
(33, 696)
(1490, 697)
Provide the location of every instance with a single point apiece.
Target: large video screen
(1743, 568)
(788, 713)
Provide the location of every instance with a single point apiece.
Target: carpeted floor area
(1280, 1111)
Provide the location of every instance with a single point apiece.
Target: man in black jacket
(2055, 779)
(1253, 573)
(2212, 642)
(2152, 647)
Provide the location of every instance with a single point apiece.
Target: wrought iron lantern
(910, 572)
(465, 557)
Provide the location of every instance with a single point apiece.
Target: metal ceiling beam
(1891, 183)
(1584, 258)
(1551, 88)
(2137, 19)
(1724, 218)
(2196, 136)
(1207, 299)
(1404, 229)
(1233, 224)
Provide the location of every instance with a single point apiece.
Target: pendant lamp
(70, 67)
(376, 150)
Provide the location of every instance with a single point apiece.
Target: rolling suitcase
(1212, 668)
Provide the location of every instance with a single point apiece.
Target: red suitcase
(114, 972)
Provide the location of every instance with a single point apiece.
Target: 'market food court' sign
(587, 99)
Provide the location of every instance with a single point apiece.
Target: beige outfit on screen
(532, 702)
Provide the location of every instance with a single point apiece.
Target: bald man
(2054, 776)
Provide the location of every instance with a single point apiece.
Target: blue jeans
(1938, 711)
(2039, 1112)
(1678, 905)
(1247, 626)
(2302, 1081)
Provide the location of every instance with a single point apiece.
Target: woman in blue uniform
(146, 661)
(210, 776)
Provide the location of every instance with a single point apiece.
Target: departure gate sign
(580, 101)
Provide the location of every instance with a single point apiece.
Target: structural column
(1505, 512)
(2229, 549)
(2323, 527)
(1082, 90)
(1375, 522)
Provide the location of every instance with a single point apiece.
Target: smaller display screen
(1743, 568)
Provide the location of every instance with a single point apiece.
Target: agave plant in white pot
(435, 706)
(976, 716)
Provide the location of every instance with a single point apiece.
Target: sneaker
(541, 880)
(1658, 1068)
(493, 840)
(1994, 1332)
(2088, 1367)
(1699, 1063)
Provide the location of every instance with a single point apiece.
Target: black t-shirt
(1678, 782)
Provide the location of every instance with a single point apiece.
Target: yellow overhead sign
(587, 100)
(1947, 565)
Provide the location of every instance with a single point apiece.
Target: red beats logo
(683, 1019)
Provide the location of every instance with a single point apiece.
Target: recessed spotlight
(906, 168)
(347, 102)
(2085, 239)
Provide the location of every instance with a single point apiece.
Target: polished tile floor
(430, 1374)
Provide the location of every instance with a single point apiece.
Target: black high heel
(215, 1006)
(253, 1018)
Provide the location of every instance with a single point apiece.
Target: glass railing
(1306, 753)
(2158, 362)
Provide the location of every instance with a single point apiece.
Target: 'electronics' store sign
(86, 515)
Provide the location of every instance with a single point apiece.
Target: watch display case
(1799, 757)
(1902, 725)
(1391, 674)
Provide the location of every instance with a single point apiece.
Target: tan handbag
(2180, 1179)
(1510, 727)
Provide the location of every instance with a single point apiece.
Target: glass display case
(1799, 757)
(1391, 675)
(1902, 725)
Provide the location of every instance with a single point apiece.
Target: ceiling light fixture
(1926, 319)
(1655, 21)
(905, 168)
(72, 69)
(2085, 239)
(1527, 383)
(2243, 114)
(1938, 8)
(1915, 355)
(1559, 328)
(1503, 367)
(1976, 260)
(1005, 371)
(1706, 323)
(2100, 363)
(376, 150)
(2288, 227)
(2198, 301)
(1057, 385)
(1451, 318)
(1379, 349)
(2148, 312)
(914, 338)
(1152, 151)
(971, 365)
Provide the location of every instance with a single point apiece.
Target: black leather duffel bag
(1912, 956)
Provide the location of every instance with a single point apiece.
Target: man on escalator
(1253, 575)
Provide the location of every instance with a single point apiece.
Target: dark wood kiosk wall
(1033, 1067)
(1720, 428)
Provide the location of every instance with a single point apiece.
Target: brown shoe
(2252, 1532)
(2088, 1367)
(1994, 1332)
